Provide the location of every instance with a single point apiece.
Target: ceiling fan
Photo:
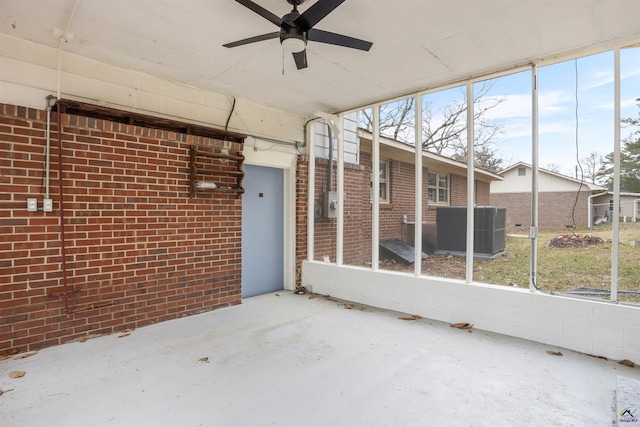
(297, 29)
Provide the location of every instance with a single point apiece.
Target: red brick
(131, 232)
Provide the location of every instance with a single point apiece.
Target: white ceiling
(416, 43)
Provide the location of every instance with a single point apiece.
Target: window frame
(438, 188)
(384, 183)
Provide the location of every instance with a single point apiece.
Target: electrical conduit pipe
(63, 249)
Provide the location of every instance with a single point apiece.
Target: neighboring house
(602, 207)
(562, 201)
(444, 183)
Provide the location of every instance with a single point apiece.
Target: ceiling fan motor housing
(289, 32)
(289, 29)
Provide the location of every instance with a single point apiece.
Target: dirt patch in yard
(436, 265)
(575, 241)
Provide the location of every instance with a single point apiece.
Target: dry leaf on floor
(124, 335)
(627, 362)
(25, 355)
(597, 357)
(312, 296)
(554, 353)
(127, 330)
(416, 316)
(204, 360)
(277, 295)
(348, 306)
(407, 318)
(17, 374)
(83, 339)
(462, 325)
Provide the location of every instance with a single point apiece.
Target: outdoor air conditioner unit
(489, 230)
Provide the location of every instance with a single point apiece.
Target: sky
(575, 109)
(563, 137)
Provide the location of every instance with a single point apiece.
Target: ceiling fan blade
(301, 59)
(253, 39)
(261, 11)
(338, 39)
(316, 13)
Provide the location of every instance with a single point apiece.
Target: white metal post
(375, 172)
(340, 189)
(311, 179)
(533, 229)
(616, 177)
(418, 196)
(470, 182)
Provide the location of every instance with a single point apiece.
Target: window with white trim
(384, 184)
(438, 188)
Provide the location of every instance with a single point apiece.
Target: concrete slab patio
(288, 360)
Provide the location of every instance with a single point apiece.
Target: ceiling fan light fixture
(293, 45)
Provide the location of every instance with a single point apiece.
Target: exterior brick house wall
(358, 212)
(554, 210)
(138, 249)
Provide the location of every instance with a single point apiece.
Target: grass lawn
(565, 269)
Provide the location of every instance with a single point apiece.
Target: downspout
(63, 250)
(636, 203)
(330, 166)
(589, 205)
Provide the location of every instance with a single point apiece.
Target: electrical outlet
(47, 205)
(32, 205)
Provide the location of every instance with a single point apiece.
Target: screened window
(438, 188)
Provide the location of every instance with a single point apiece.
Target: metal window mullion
(311, 179)
(340, 189)
(470, 182)
(616, 177)
(375, 166)
(533, 229)
(418, 192)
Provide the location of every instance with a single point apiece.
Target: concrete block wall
(592, 327)
(138, 249)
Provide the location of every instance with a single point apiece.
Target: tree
(594, 166)
(629, 158)
(553, 167)
(444, 128)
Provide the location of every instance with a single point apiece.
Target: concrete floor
(287, 360)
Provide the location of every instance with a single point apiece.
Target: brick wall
(555, 209)
(358, 213)
(138, 249)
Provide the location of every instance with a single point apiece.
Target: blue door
(262, 230)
